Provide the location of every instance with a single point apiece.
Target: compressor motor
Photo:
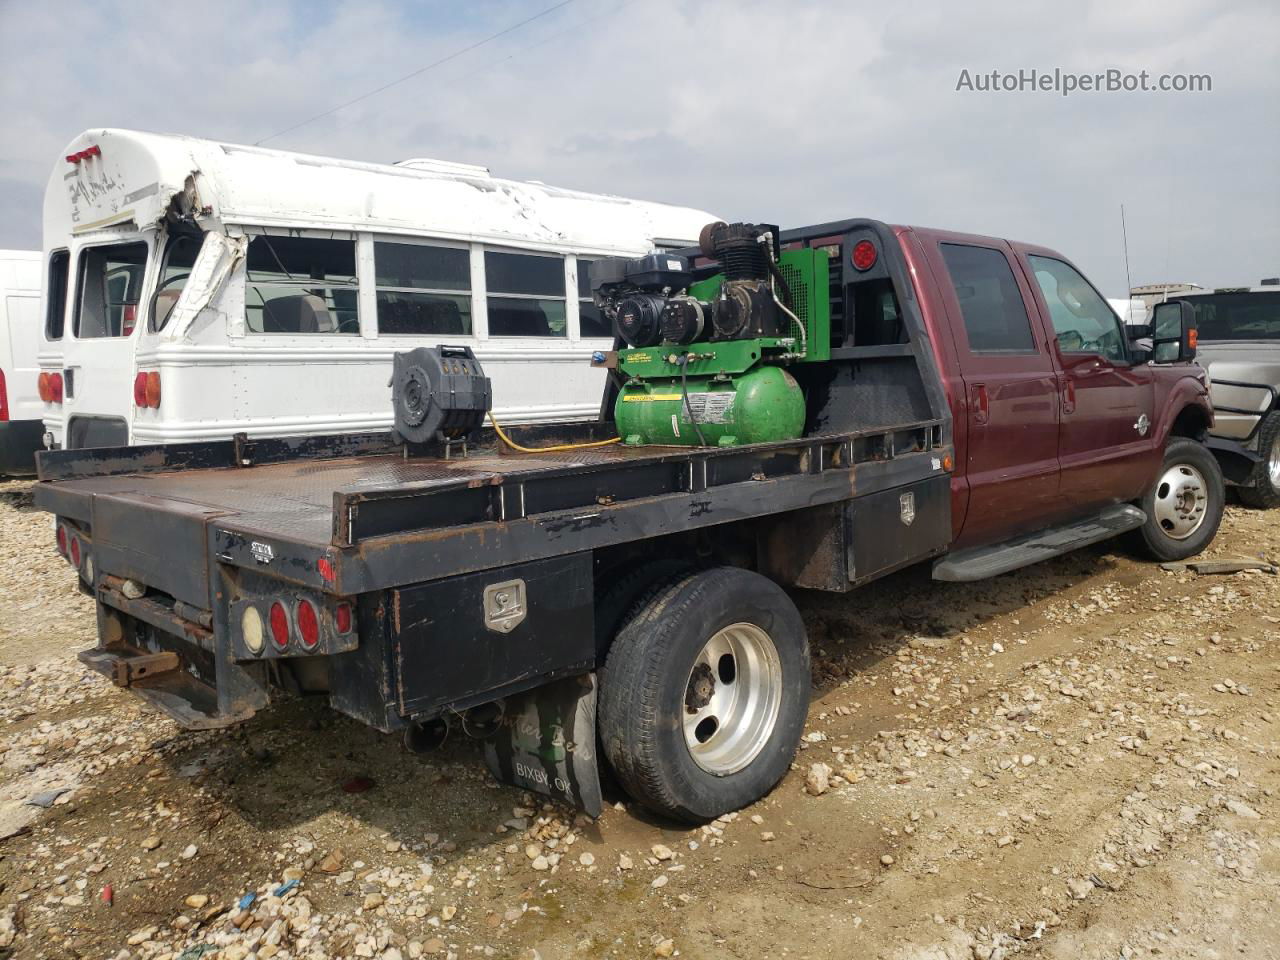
(647, 302)
(722, 338)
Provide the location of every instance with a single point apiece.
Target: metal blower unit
(439, 395)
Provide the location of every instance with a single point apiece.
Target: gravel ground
(1076, 761)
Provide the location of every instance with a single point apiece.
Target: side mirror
(1137, 331)
(1174, 338)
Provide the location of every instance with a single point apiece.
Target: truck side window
(526, 294)
(56, 304)
(179, 257)
(995, 316)
(1082, 320)
(423, 289)
(301, 285)
(591, 322)
(109, 288)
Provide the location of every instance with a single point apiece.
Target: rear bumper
(19, 441)
(171, 663)
(170, 689)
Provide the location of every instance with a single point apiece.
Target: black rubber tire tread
(1151, 539)
(1259, 491)
(642, 688)
(629, 586)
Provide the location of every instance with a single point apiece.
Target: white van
(20, 406)
(197, 290)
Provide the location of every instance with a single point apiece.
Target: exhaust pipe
(424, 737)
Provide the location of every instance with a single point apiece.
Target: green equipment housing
(718, 392)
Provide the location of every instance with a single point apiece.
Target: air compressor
(706, 357)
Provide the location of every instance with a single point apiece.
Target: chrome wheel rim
(1182, 501)
(1273, 464)
(732, 699)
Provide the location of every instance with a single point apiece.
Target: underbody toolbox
(467, 639)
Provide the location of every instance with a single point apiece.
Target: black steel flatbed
(381, 519)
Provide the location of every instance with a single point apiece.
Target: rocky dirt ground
(1078, 761)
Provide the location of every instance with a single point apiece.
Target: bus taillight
(146, 389)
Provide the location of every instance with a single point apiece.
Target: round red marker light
(279, 625)
(62, 540)
(863, 255)
(308, 624)
(75, 551)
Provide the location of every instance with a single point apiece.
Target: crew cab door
(1106, 442)
(1010, 404)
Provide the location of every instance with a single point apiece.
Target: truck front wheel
(1263, 488)
(1184, 506)
(704, 694)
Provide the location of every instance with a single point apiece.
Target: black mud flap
(547, 743)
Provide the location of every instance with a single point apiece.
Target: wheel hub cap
(1273, 464)
(1181, 501)
(732, 699)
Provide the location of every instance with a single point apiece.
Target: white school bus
(196, 290)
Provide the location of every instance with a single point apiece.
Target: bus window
(56, 307)
(526, 295)
(422, 290)
(110, 285)
(301, 285)
(179, 258)
(591, 322)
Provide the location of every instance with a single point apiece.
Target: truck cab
(1057, 412)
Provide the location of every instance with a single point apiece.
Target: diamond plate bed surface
(294, 500)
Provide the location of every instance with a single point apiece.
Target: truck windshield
(1237, 316)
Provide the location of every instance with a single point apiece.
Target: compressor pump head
(648, 302)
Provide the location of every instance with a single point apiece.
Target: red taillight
(342, 618)
(279, 625)
(129, 318)
(62, 540)
(146, 389)
(308, 624)
(75, 552)
(55, 388)
(863, 255)
(4, 399)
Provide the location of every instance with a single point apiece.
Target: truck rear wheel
(704, 694)
(1184, 505)
(1263, 488)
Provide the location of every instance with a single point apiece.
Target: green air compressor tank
(758, 406)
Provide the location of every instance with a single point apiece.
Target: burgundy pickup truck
(806, 408)
(1056, 412)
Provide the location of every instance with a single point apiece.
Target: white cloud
(794, 112)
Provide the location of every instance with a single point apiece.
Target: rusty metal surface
(294, 500)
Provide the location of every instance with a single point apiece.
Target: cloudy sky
(790, 112)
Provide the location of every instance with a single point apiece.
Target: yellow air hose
(564, 446)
